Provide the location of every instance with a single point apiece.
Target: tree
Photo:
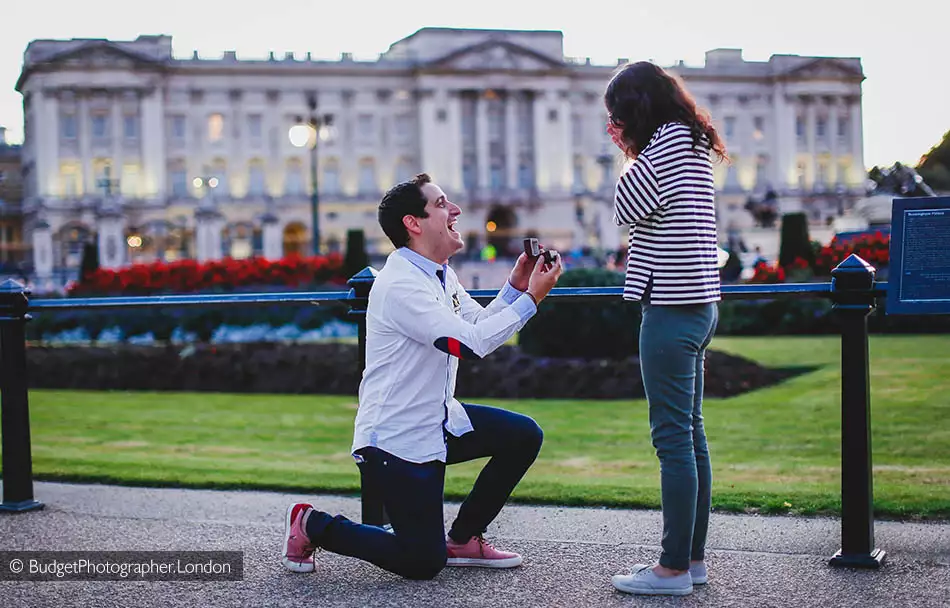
(90, 260)
(356, 257)
(795, 241)
(934, 166)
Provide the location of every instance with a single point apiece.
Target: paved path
(570, 554)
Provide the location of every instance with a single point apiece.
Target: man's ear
(411, 223)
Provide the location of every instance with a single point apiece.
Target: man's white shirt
(416, 331)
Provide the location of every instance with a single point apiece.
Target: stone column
(511, 139)
(784, 143)
(452, 103)
(235, 133)
(118, 136)
(152, 141)
(46, 147)
(810, 143)
(833, 120)
(857, 176)
(539, 113)
(430, 132)
(196, 129)
(42, 250)
(562, 154)
(386, 155)
(481, 143)
(85, 144)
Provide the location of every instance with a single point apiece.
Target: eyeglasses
(614, 121)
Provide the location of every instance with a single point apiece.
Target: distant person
(409, 425)
(666, 195)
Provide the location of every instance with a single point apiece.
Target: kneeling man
(419, 323)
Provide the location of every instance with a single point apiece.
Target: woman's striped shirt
(668, 199)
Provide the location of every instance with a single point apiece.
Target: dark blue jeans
(673, 341)
(412, 495)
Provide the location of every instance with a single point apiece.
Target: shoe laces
(482, 543)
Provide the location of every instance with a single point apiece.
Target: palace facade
(158, 157)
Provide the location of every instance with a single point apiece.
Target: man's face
(438, 233)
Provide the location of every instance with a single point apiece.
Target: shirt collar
(423, 263)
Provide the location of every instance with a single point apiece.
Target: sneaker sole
(700, 581)
(473, 562)
(299, 567)
(651, 590)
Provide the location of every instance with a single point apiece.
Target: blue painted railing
(852, 290)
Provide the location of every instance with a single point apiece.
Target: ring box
(532, 249)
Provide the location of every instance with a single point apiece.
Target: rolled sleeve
(509, 294)
(525, 307)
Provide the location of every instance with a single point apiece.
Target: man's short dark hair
(405, 198)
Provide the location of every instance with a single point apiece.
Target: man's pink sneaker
(298, 550)
(477, 552)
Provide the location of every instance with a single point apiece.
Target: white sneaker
(642, 580)
(697, 572)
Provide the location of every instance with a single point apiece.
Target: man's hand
(521, 272)
(544, 276)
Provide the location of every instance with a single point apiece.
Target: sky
(906, 93)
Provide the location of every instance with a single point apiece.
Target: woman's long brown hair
(641, 97)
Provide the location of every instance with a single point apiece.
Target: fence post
(14, 400)
(852, 282)
(374, 513)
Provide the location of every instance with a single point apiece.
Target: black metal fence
(852, 290)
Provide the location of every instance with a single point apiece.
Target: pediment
(99, 55)
(95, 54)
(496, 55)
(824, 69)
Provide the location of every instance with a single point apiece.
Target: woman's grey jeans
(673, 341)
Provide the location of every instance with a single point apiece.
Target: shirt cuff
(509, 294)
(525, 307)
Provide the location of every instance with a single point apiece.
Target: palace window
(179, 182)
(67, 126)
(293, 180)
(367, 178)
(130, 127)
(256, 180)
(100, 129)
(178, 128)
(254, 127)
(215, 127)
(331, 178)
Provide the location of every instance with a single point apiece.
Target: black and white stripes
(667, 197)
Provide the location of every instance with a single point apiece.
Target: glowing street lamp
(308, 134)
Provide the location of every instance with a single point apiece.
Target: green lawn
(774, 450)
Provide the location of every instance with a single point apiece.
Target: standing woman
(666, 196)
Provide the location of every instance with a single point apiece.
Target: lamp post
(309, 133)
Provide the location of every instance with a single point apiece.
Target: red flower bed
(873, 249)
(768, 273)
(219, 275)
